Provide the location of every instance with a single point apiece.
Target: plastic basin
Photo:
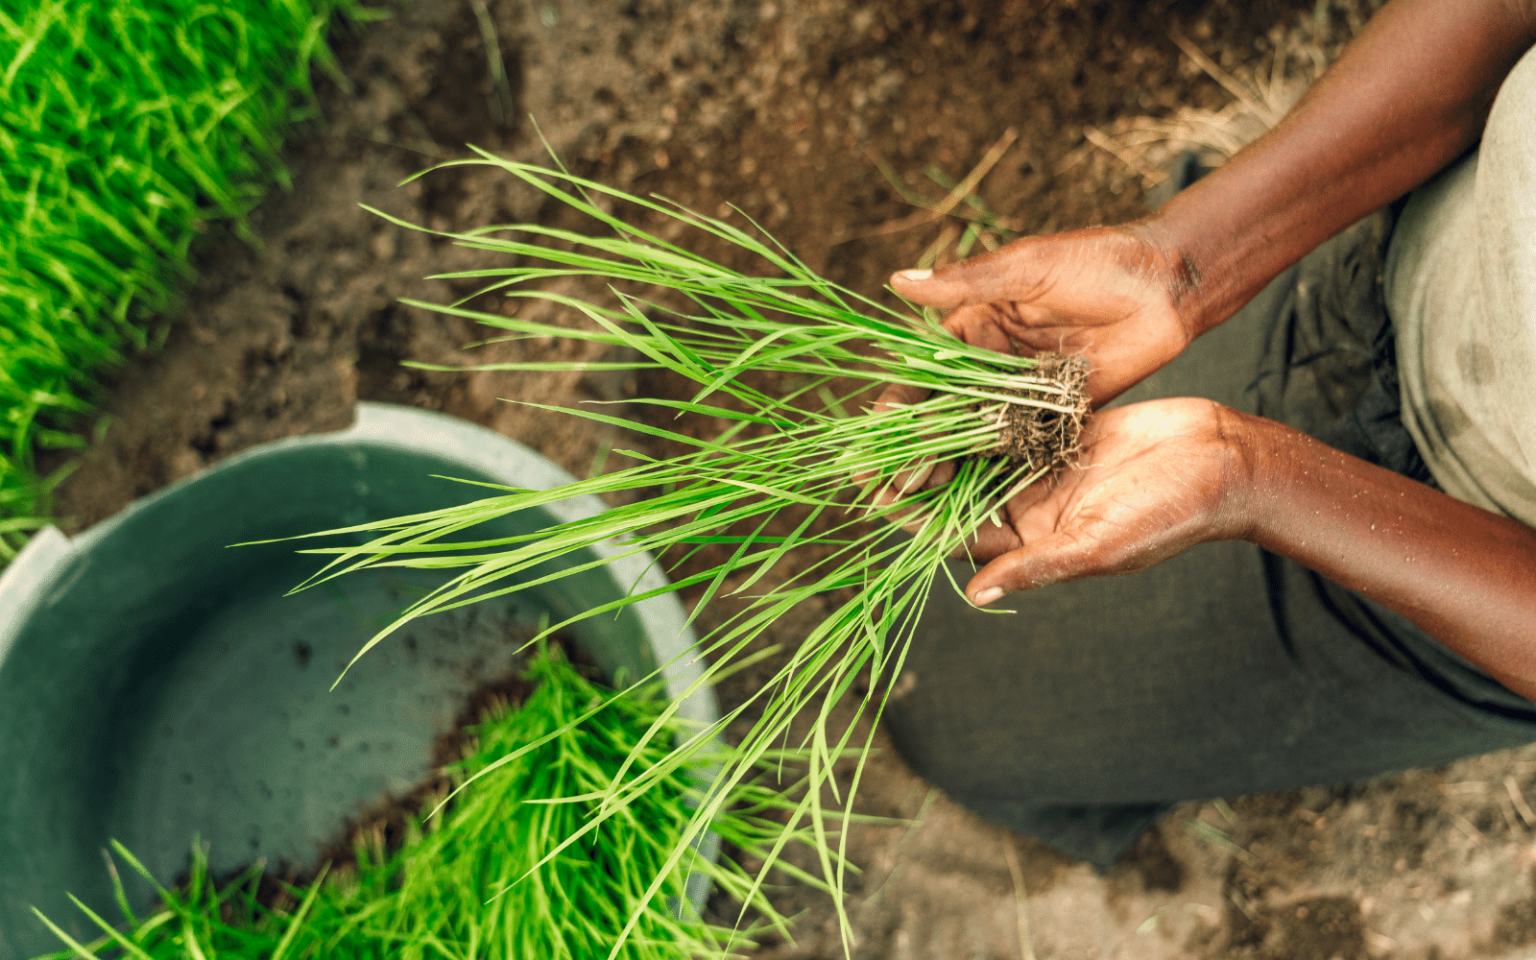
(156, 685)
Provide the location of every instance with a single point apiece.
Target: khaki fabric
(1461, 290)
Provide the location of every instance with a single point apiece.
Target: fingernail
(988, 595)
(915, 274)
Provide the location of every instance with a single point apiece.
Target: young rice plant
(776, 482)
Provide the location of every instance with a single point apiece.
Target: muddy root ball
(1046, 438)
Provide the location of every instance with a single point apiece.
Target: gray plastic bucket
(155, 684)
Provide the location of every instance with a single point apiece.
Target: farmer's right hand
(1116, 295)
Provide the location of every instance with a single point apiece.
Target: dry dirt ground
(783, 107)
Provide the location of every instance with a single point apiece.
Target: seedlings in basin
(511, 870)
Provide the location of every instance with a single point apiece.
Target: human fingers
(1081, 550)
(1055, 540)
(1154, 479)
(1116, 359)
(893, 396)
(1056, 558)
(1095, 275)
(981, 326)
(899, 395)
(987, 278)
(993, 538)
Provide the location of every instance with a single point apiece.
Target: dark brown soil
(786, 110)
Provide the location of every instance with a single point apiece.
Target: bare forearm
(1465, 576)
(1407, 97)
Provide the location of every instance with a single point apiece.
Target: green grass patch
(127, 129)
(516, 867)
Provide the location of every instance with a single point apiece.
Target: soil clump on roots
(1040, 436)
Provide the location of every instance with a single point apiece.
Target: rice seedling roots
(1038, 435)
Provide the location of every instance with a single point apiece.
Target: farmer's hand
(1114, 295)
(1153, 479)
(1117, 296)
(1158, 477)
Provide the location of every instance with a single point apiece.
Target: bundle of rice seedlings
(126, 130)
(507, 872)
(775, 485)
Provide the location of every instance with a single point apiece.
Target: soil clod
(1038, 435)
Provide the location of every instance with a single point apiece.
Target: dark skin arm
(1410, 95)
(1158, 477)
(1407, 97)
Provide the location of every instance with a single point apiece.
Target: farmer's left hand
(1121, 297)
(1153, 479)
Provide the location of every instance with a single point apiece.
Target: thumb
(984, 279)
(1054, 559)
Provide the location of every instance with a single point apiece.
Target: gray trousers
(1226, 670)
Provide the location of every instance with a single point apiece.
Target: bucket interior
(163, 686)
